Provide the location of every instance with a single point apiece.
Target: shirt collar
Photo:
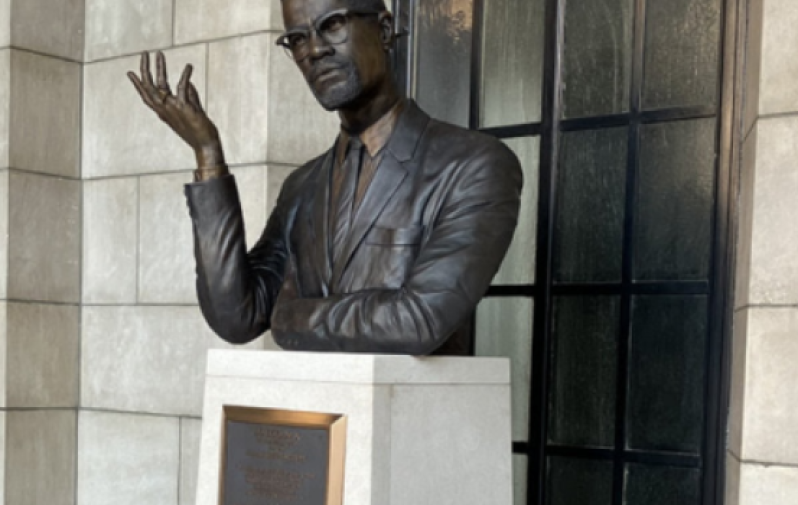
(376, 136)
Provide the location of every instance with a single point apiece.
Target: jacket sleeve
(450, 275)
(236, 290)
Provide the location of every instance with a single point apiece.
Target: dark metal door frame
(550, 129)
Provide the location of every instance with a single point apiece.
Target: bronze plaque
(281, 457)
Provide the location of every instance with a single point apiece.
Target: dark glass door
(610, 302)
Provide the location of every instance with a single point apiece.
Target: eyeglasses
(333, 28)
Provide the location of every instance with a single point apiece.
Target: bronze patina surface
(383, 244)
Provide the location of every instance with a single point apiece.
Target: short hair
(365, 5)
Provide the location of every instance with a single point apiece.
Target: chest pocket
(389, 255)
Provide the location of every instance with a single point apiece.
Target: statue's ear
(385, 20)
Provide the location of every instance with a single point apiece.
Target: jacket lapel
(387, 179)
(318, 221)
(391, 172)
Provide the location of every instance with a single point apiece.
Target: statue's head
(341, 47)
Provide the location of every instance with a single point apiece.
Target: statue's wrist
(209, 157)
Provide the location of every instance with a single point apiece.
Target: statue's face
(340, 74)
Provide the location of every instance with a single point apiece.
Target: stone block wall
(40, 240)
(762, 457)
(143, 340)
(102, 345)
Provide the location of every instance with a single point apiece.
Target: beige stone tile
(122, 136)
(774, 271)
(770, 419)
(3, 451)
(3, 355)
(126, 27)
(127, 459)
(732, 492)
(768, 485)
(299, 128)
(44, 238)
(777, 90)
(5, 104)
(753, 64)
(275, 177)
(5, 23)
(40, 140)
(738, 381)
(742, 278)
(40, 457)
(3, 233)
(238, 95)
(166, 247)
(49, 27)
(190, 432)
(110, 240)
(251, 182)
(197, 20)
(146, 359)
(42, 355)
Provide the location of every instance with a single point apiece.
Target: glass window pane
(512, 61)
(651, 485)
(579, 482)
(676, 184)
(519, 264)
(597, 57)
(584, 369)
(520, 465)
(666, 373)
(590, 206)
(504, 328)
(682, 45)
(443, 58)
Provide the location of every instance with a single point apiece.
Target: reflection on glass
(444, 31)
(579, 482)
(651, 485)
(504, 328)
(519, 264)
(666, 373)
(597, 57)
(512, 61)
(682, 47)
(520, 465)
(590, 206)
(584, 359)
(675, 198)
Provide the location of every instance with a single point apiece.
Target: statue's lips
(325, 73)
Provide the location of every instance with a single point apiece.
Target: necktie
(344, 204)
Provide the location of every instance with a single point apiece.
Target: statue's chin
(338, 95)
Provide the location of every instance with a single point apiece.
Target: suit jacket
(428, 237)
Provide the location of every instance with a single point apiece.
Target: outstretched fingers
(140, 88)
(160, 66)
(182, 87)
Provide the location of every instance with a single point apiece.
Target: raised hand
(182, 112)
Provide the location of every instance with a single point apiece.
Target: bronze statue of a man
(386, 242)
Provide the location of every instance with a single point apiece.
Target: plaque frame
(334, 424)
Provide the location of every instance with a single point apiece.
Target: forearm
(236, 290)
(392, 321)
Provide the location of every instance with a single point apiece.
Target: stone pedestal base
(419, 431)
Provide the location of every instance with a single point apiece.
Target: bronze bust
(383, 244)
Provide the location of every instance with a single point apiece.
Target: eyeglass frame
(282, 40)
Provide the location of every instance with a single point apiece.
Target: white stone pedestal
(420, 431)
